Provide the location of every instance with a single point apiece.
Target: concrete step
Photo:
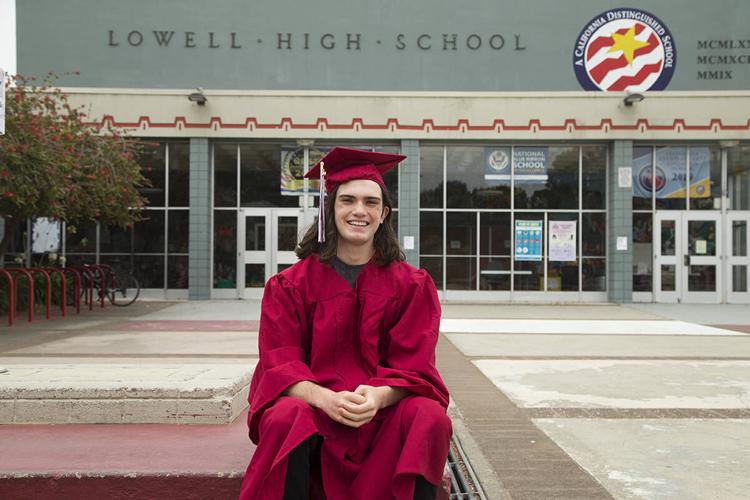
(126, 461)
(99, 393)
(144, 461)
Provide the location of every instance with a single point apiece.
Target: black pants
(306, 457)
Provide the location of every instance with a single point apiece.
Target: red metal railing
(11, 296)
(17, 273)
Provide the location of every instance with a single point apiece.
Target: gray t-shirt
(349, 273)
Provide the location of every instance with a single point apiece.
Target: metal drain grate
(464, 483)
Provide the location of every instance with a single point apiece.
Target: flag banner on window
(669, 178)
(293, 170)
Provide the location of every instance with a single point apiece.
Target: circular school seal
(498, 160)
(624, 50)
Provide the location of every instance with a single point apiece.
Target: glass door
(687, 265)
(738, 258)
(701, 274)
(266, 239)
(667, 252)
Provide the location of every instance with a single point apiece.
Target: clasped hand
(353, 409)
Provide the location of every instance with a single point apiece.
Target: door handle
(686, 260)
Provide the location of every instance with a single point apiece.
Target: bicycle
(120, 287)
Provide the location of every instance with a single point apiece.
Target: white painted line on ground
(581, 327)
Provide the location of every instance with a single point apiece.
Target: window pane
(287, 234)
(494, 273)
(642, 252)
(255, 233)
(149, 233)
(594, 176)
(546, 177)
(562, 276)
(431, 176)
(460, 273)
(390, 177)
(643, 183)
(705, 178)
(469, 186)
(177, 272)
(701, 237)
(739, 278)
(529, 276)
(255, 275)
(668, 278)
(702, 279)
(260, 177)
(179, 174)
(594, 234)
(114, 239)
(149, 270)
(739, 238)
(670, 179)
(594, 275)
(494, 233)
(431, 233)
(434, 266)
(80, 237)
(225, 246)
(225, 175)
(394, 223)
(153, 168)
(461, 228)
(178, 231)
(738, 178)
(123, 262)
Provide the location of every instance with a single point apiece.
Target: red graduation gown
(383, 332)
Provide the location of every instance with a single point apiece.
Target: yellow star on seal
(627, 43)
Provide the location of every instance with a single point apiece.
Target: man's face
(359, 211)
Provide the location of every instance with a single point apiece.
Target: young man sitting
(346, 402)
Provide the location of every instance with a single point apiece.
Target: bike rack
(88, 293)
(102, 278)
(63, 291)
(11, 296)
(19, 271)
(48, 301)
(76, 287)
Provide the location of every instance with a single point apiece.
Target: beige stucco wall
(424, 116)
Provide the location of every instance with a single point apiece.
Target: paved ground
(591, 401)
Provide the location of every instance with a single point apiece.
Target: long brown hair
(386, 244)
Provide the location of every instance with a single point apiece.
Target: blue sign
(529, 238)
(530, 164)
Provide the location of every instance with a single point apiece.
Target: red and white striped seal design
(610, 70)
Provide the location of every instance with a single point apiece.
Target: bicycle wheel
(123, 289)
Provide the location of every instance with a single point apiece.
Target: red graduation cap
(342, 165)
(346, 164)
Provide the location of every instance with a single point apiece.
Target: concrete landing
(124, 393)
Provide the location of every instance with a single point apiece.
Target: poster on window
(669, 177)
(562, 240)
(529, 237)
(293, 170)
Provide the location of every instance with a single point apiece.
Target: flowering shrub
(54, 164)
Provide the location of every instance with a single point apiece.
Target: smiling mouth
(357, 223)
